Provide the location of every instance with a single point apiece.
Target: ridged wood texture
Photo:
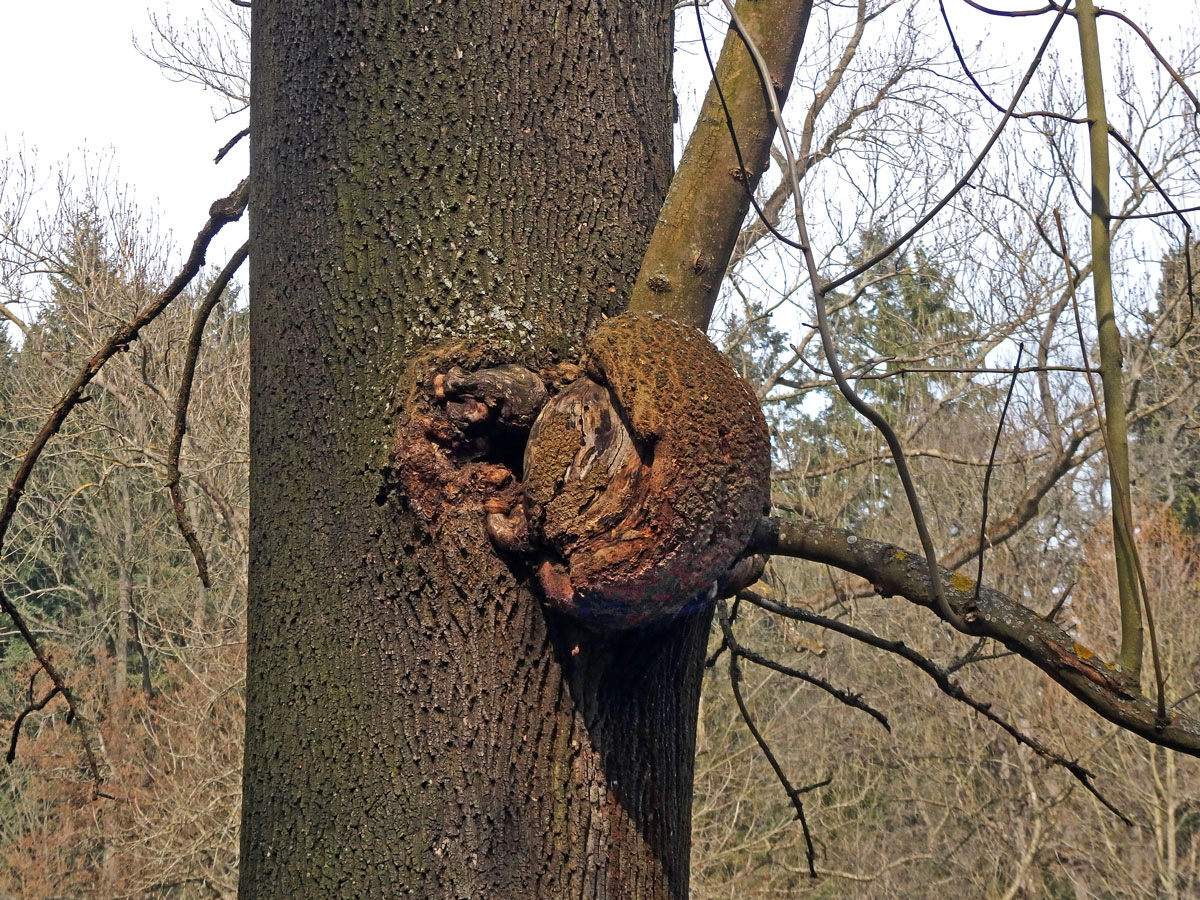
(417, 725)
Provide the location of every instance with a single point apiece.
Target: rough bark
(433, 185)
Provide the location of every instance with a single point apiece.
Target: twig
(30, 708)
(1013, 13)
(854, 701)
(223, 152)
(716, 654)
(195, 339)
(966, 176)
(60, 687)
(944, 682)
(987, 476)
(735, 677)
(1187, 226)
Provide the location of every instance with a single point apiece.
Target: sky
(76, 85)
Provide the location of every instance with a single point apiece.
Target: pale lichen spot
(961, 582)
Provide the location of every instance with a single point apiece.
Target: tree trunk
(484, 172)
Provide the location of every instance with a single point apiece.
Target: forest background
(941, 802)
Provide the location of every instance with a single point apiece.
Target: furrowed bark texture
(484, 171)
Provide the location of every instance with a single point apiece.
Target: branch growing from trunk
(710, 193)
(894, 571)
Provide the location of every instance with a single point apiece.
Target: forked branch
(221, 213)
(894, 571)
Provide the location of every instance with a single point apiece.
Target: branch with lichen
(894, 571)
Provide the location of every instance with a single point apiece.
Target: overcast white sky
(73, 81)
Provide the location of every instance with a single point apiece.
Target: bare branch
(894, 571)
(195, 339)
(713, 187)
(735, 678)
(941, 677)
(32, 707)
(232, 142)
(987, 477)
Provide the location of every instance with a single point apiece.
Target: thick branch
(710, 193)
(894, 571)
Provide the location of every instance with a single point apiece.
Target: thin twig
(987, 476)
(1187, 227)
(854, 701)
(944, 682)
(966, 176)
(716, 654)
(20, 720)
(735, 678)
(1013, 13)
(215, 291)
(224, 151)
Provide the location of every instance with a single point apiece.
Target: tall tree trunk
(418, 725)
